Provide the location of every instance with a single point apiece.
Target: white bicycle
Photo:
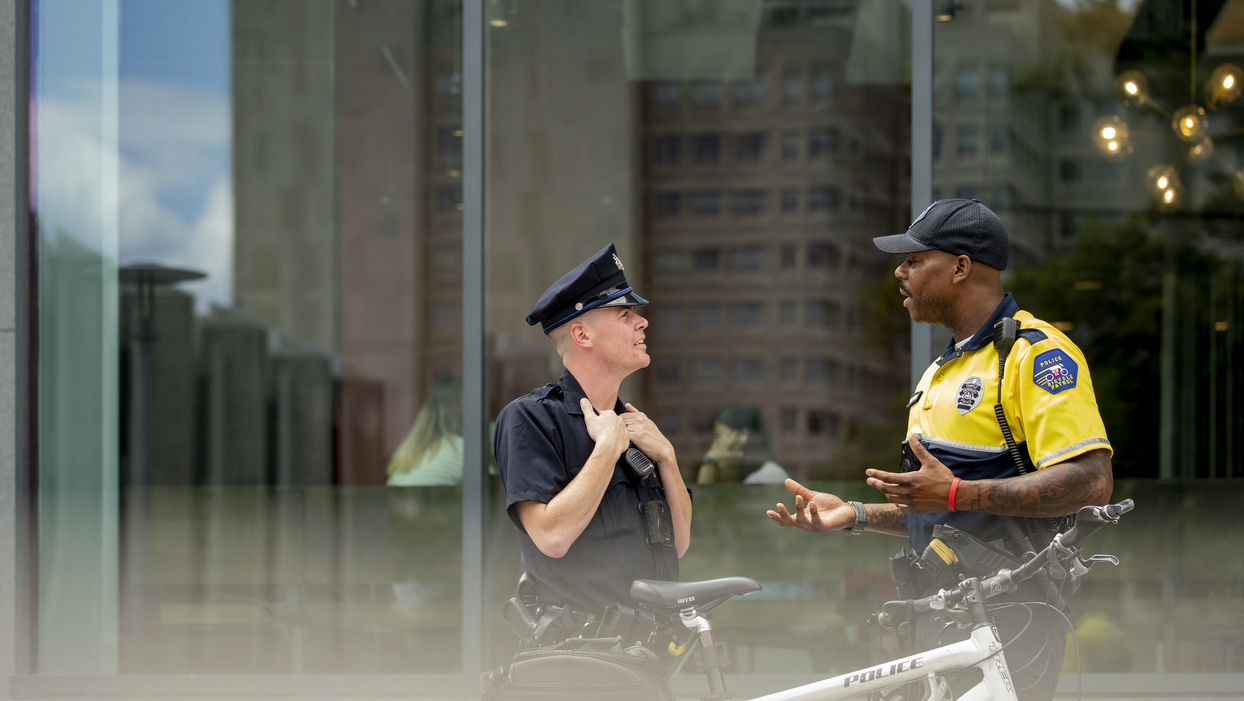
(963, 604)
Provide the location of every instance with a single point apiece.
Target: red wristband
(954, 487)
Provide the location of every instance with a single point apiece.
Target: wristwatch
(861, 519)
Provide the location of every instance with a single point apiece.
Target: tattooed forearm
(1057, 490)
(886, 518)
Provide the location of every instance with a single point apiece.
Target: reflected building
(745, 206)
(351, 250)
(1018, 126)
(763, 196)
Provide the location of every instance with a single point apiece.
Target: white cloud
(173, 177)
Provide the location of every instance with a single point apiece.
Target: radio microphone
(639, 463)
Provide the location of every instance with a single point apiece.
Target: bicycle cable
(1075, 639)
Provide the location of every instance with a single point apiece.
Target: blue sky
(173, 129)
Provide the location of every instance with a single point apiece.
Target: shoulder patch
(1054, 371)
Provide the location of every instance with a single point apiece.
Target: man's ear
(580, 334)
(962, 270)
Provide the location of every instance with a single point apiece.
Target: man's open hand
(815, 512)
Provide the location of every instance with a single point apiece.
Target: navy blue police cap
(597, 282)
(959, 227)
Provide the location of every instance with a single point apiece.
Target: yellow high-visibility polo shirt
(1047, 399)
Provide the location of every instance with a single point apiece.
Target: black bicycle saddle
(681, 595)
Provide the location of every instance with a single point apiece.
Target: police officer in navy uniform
(589, 523)
(963, 469)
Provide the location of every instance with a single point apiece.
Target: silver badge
(969, 394)
(618, 261)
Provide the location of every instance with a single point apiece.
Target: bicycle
(964, 604)
(687, 604)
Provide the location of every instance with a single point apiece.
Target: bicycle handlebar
(1064, 547)
(1097, 516)
(1089, 520)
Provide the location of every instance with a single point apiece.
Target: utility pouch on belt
(952, 556)
(959, 554)
(658, 529)
(903, 570)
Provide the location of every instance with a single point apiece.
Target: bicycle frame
(983, 650)
(963, 604)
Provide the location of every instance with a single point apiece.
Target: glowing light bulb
(1171, 198)
(1189, 123)
(1162, 177)
(1224, 85)
(1167, 190)
(1110, 135)
(1201, 151)
(1133, 87)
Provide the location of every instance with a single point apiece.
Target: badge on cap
(618, 262)
(922, 214)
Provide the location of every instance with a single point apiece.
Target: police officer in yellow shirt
(1002, 475)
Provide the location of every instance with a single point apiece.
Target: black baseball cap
(959, 227)
(597, 282)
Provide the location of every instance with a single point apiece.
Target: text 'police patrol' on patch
(1054, 371)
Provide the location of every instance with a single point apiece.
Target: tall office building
(763, 196)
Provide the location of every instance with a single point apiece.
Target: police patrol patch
(1054, 371)
(970, 391)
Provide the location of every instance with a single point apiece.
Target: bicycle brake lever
(1080, 566)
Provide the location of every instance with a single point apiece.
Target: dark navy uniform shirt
(541, 444)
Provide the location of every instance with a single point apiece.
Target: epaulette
(1033, 336)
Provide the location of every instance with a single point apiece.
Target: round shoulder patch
(1054, 371)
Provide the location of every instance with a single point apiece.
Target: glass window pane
(263, 294)
(790, 145)
(967, 83)
(748, 259)
(750, 147)
(751, 92)
(1080, 216)
(968, 140)
(706, 148)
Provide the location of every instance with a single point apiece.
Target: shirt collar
(984, 335)
(572, 392)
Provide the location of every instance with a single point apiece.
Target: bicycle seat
(681, 595)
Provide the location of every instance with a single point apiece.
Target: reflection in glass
(268, 280)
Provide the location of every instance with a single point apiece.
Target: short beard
(931, 309)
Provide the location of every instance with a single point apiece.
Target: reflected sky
(167, 66)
